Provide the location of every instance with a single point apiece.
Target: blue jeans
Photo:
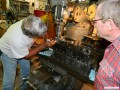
(9, 68)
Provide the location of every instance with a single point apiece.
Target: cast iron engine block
(81, 58)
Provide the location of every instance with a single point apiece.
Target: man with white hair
(107, 22)
(15, 46)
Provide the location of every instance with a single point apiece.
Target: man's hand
(50, 43)
(38, 48)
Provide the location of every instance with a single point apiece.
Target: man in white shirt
(15, 46)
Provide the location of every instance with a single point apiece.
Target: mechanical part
(81, 58)
(76, 60)
(46, 79)
(76, 32)
(79, 15)
(58, 17)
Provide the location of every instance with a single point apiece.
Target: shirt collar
(116, 44)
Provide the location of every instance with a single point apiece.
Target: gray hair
(33, 26)
(110, 9)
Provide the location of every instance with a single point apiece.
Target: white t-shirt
(14, 43)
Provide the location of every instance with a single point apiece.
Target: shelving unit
(23, 7)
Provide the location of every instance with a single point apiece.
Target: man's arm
(34, 51)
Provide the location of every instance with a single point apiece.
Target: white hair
(33, 26)
(110, 9)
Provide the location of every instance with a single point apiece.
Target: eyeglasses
(94, 21)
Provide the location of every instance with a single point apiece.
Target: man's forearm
(34, 51)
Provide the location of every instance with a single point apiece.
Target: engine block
(81, 58)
